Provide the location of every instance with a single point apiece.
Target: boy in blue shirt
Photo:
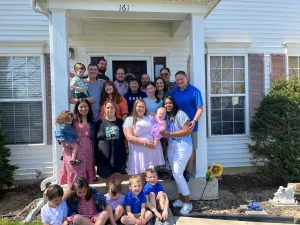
(135, 203)
(155, 193)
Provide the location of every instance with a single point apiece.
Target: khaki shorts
(194, 139)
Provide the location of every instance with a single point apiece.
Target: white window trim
(287, 62)
(247, 128)
(130, 57)
(31, 100)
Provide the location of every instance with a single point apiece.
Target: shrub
(6, 170)
(275, 132)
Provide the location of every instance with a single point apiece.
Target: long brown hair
(115, 95)
(78, 116)
(80, 183)
(134, 114)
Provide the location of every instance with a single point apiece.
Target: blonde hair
(161, 108)
(64, 117)
(135, 179)
(134, 113)
(151, 170)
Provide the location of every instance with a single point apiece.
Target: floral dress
(68, 172)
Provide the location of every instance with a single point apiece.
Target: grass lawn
(9, 222)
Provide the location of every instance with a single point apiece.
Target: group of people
(149, 120)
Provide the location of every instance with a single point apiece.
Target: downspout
(37, 7)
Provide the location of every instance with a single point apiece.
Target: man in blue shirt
(189, 100)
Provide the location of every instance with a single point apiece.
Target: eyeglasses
(164, 74)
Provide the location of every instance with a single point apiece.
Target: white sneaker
(178, 203)
(186, 209)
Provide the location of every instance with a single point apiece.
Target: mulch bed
(239, 190)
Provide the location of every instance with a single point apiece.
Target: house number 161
(124, 7)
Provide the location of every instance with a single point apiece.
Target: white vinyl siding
(21, 99)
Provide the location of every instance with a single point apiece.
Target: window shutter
(48, 98)
(256, 81)
(277, 66)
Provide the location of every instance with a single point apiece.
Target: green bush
(6, 170)
(275, 132)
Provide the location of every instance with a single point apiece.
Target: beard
(102, 69)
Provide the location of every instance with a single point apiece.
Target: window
(227, 95)
(21, 99)
(294, 65)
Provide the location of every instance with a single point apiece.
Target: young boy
(115, 199)
(157, 200)
(55, 211)
(135, 202)
(78, 84)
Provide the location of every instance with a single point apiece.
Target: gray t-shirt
(95, 89)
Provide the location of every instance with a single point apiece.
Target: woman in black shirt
(110, 151)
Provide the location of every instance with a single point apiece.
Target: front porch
(145, 29)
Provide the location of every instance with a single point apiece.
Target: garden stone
(285, 196)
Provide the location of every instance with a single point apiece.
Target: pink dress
(69, 173)
(86, 209)
(140, 157)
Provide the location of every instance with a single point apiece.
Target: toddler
(116, 200)
(157, 200)
(55, 211)
(65, 134)
(135, 203)
(78, 84)
(158, 125)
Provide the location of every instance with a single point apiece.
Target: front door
(136, 68)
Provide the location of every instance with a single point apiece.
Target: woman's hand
(192, 125)
(149, 144)
(166, 134)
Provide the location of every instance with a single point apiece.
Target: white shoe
(178, 203)
(186, 209)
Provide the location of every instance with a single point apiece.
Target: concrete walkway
(200, 221)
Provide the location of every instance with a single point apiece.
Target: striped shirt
(176, 124)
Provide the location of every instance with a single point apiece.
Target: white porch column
(197, 52)
(59, 76)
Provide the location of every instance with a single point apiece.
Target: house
(235, 47)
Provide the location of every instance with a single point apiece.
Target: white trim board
(25, 48)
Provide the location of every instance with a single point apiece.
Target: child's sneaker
(186, 209)
(178, 203)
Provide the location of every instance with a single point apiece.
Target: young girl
(155, 193)
(65, 134)
(116, 201)
(86, 205)
(78, 84)
(55, 211)
(158, 125)
(135, 202)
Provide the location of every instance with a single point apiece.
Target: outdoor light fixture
(71, 53)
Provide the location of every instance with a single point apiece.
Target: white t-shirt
(54, 216)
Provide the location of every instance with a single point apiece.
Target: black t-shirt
(102, 78)
(110, 143)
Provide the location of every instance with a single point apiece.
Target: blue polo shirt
(155, 189)
(135, 202)
(188, 100)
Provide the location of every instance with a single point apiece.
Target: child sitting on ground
(158, 125)
(115, 199)
(135, 203)
(78, 84)
(157, 200)
(65, 134)
(55, 211)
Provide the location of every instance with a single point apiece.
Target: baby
(158, 125)
(78, 83)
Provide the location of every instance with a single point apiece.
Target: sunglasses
(164, 74)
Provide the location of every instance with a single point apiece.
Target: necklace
(110, 122)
